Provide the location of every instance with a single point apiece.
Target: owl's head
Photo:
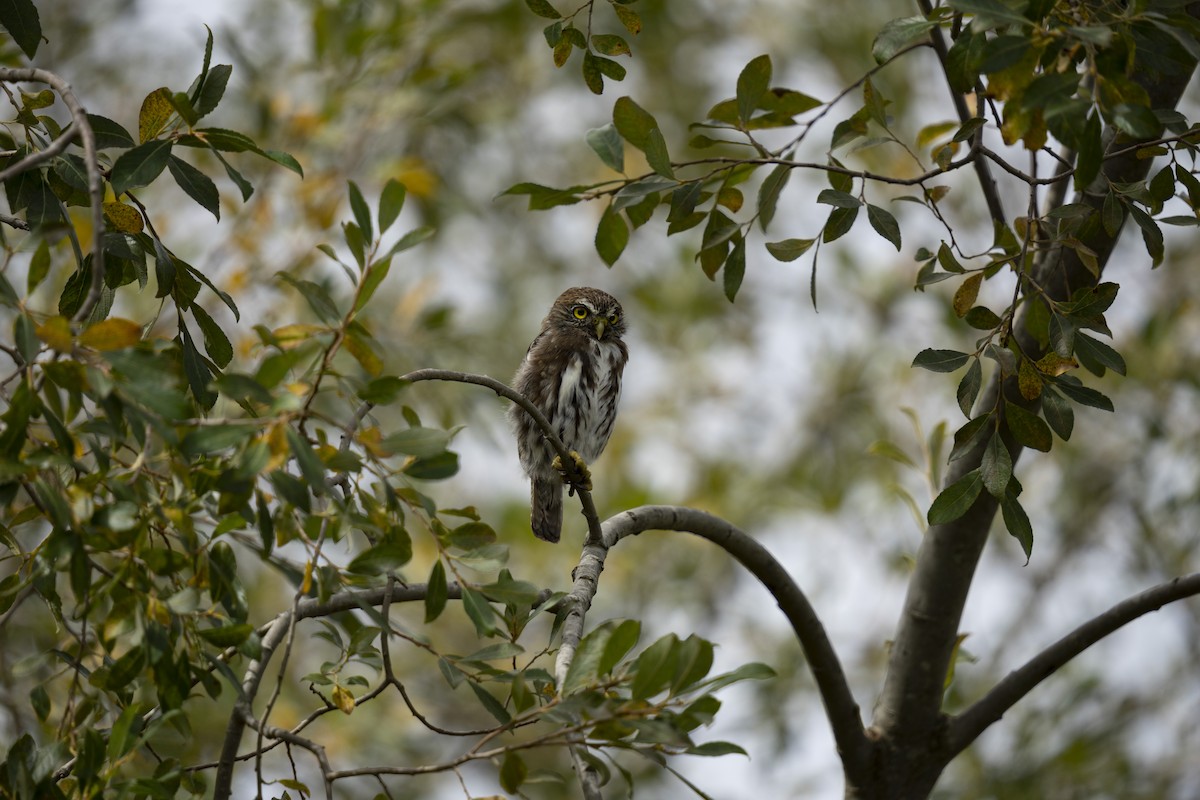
(596, 313)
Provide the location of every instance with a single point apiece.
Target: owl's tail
(546, 508)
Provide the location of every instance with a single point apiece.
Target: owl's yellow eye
(612, 318)
(580, 312)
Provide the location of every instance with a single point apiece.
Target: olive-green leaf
(884, 224)
(20, 19)
(790, 249)
(196, 184)
(140, 165)
(435, 592)
(752, 84)
(1027, 428)
(996, 467)
(633, 122)
(391, 202)
(898, 34)
(361, 211)
(940, 360)
(606, 142)
(1017, 522)
(612, 234)
(955, 499)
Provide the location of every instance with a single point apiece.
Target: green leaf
(39, 267)
(612, 234)
(940, 360)
(735, 268)
(623, 639)
(608, 145)
(214, 438)
(955, 499)
(656, 154)
(693, 661)
(768, 193)
(585, 667)
(199, 376)
(752, 84)
(633, 122)
(227, 636)
(654, 668)
(1151, 233)
(1058, 413)
(436, 592)
(382, 391)
(790, 249)
(1096, 355)
(434, 468)
(140, 165)
(1017, 522)
(309, 462)
(989, 14)
(213, 89)
(490, 703)
(1136, 120)
(418, 442)
(361, 211)
(610, 44)
(371, 279)
(196, 184)
(383, 558)
(716, 749)
(513, 772)
(215, 341)
(412, 239)
(1082, 394)
(969, 386)
(840, 221)
(1027, 428)
(20, 19)
(996, 468)
(1003, 51)
(898, 34)
(884, 224)
(479, 611)
(543, 9)
(391, 202)
(317, 297)
(832, 197)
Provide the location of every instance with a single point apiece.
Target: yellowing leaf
(730, 198)
(299, 333)
(363, 353)
(156, 110)
(123, 217)
(343, 699)
(111, 334)
(56, 332)
(964, 298)
(371, 438)
(1029, 381)
(1053, 364)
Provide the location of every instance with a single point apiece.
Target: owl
(572, 373)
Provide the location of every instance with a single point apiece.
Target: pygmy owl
(572, 373)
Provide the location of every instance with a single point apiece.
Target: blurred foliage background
(768, 412)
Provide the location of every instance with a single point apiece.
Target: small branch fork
(82, 129)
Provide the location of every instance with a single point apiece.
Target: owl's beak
(601, 323)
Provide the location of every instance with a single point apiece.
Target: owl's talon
(577, 474)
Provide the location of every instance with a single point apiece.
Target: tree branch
(80, 127)
(987, 184)
(273, 636)
(505, 391)
(968, 725)
(840, 706)
(909, 707)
